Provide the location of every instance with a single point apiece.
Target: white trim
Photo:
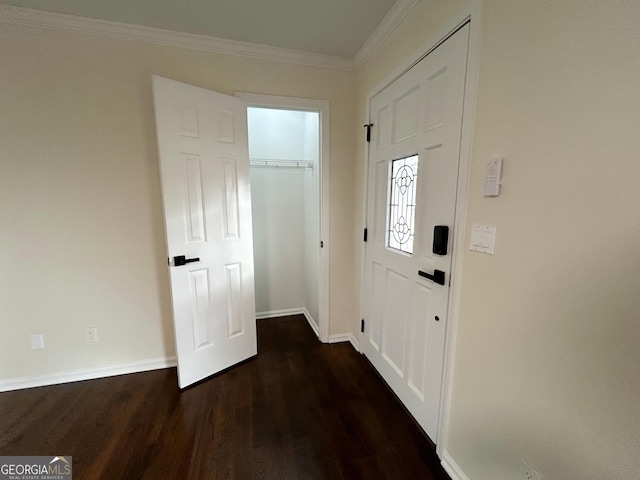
(423, 50)
(287, 312)
(322, 106)
(452, 468)
(410, 61)
(20, 383)
(363, 251)
(345, 337)
(473, 14)
(157, 36)
(284, 312)
(336, 338)
(397, 13)
(311, 321)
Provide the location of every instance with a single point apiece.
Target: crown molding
(397, 13)
(157, 36)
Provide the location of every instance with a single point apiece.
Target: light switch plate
(483, 238)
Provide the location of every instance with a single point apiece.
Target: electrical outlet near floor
(527, 472)
(91, 334)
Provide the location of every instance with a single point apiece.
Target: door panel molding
(405, 349)
(204, 171)
(471, 14)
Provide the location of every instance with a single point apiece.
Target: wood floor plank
(299, 410)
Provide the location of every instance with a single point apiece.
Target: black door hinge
(364, 237)
(362, 325)
(321, 244)
(368, 127)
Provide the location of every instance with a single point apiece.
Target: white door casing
(204, 168)
(322, 107)
(418, 114)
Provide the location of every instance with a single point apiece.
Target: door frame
(322, 107)
(472, 15)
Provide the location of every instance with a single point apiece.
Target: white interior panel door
(412, 178)
(204, 167)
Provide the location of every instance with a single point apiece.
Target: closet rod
(279, 163)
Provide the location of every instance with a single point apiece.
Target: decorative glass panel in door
(402, 203)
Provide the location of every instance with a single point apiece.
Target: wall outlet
(37, 342)
(91, 334)
(527, 472)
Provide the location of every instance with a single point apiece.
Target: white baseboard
(338, 338)
(279, 313)
(312, 322)
(345, 337)
(452, 468)
(291, 311)
(20, 383)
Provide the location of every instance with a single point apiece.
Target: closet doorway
(288, 152)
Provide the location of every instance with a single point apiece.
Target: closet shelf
(279, 163)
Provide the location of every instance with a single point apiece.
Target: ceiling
(331, 27)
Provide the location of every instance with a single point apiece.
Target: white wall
(81, 226)
(547, 365)
(285, 207)
(277, 199)
(82, 236)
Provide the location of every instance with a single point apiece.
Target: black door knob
(438, 276)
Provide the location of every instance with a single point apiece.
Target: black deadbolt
(440, 239)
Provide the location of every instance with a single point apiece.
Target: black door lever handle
(438, 276)
(182, 260)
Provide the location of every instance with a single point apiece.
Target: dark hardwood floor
(300, 410)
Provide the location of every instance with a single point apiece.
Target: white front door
(412, 178)
(204, 168)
